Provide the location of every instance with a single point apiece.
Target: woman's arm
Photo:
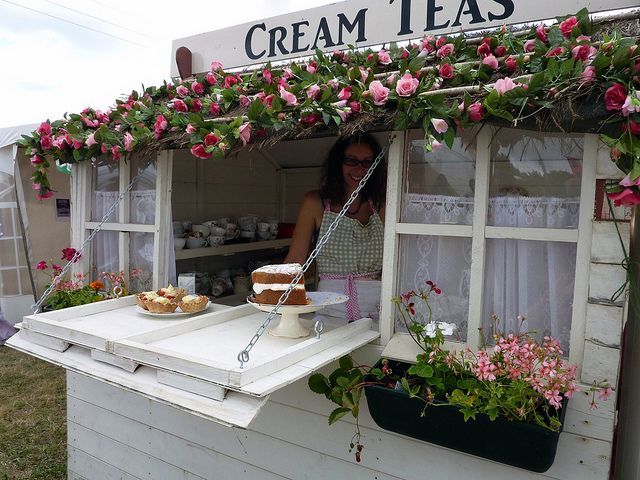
(309, 218)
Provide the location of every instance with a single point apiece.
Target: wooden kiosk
(161, 399)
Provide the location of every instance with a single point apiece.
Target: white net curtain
(534, 183)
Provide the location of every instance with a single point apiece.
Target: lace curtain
(530, 278)
(106, 255)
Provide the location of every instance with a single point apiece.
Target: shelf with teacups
(232, 248)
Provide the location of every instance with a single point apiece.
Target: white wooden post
(163, 209)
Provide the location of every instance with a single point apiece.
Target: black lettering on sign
(247, 42)
(405, 17)
(273, 41)
(323, 33)
(508, 10)
(432, 9)
(350, 27)
(295, 48)
(473, 9)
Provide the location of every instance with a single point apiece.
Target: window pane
(439, 184)
(445, 261)
(6, 222)
(535, 179)
(140, 261)
(7, 189)
(532, 279)
(9, 283)
(106, 182)
(143, 192)
(105, 253)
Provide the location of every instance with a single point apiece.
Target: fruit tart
(172, 293)
(193, 303)
(144, 297)
(161, 305)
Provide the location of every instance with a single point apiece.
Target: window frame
(399, 345)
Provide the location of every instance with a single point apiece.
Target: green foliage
(72, 298)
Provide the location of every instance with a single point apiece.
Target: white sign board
(366, 22)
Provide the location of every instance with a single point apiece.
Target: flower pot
(520, 444)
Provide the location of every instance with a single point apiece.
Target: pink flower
(511, 63)
(627, 197)
(491, 62)
(287, 73)
(287, 96)
(554, 52)
(364, 74)
(503, 85)
(567, 26)
(267, 76)
(333, 83)
(500, 51)
(44, 128)
(210, 78)
(46, 142)
(214, 109)
(190, 129)
(68, 254)
(312, 67)
(484, 50)
(313, 92)
(160, 126)
(445, 50)
(383, 57)
(541, 32)
(355, 106)
(182, 91)
(245, 133)
(439, 125)
(379, 93)
(91, 140)
(41, 265)
(230, 81)
(407, 85)
(605, 393)
(391, 79)
(199, 151)
(441, 41)
(210, 139)
(345, 93)
(115, 151)
(128, 141)
(435, 145)
(197, 88)
(310, 118)
(588, 74)
(583, 52)
(215, 66)
(179, 105)
(446, 71)
(615, 96)
(631, 104)
(36, 160)
(476, 112)
(44, 195)
(529, 46)
(244, 101)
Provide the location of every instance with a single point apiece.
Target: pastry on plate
(144, 297)
(193, 303)
(161, 305)
(271, 281)
(172, 293)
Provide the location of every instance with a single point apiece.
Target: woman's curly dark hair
(332, 188)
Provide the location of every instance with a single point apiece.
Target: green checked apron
(351, 262)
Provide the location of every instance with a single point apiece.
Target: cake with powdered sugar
(271, 281)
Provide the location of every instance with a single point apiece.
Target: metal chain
(78, 254)
(243, 355)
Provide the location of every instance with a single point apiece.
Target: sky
(64, 55)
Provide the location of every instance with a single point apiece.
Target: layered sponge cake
(271, 281)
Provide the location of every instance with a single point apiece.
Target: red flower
(476, 112)
(446, 70)
(211, 139)
(633, 127)
(511, 63)
(500, 51)
(214, 109)
(627, 197)
(41, 265)
(484, 50)
(68, 253)
(230, 80)
(567, 26)
(541, 32)
(199, 151)
(555, 52)
(615, 96)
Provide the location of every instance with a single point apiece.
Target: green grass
(33, 436)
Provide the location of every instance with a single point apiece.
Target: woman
(351, 260)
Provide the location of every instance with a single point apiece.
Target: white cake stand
(289, 325)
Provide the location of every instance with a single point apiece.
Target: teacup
(211, 224)
(179, 242)
(218, 231)
(215, 240)
(263, 227)
(202, 229)
(195, 242)
(231, 228)
(248, 222)
(264, 235)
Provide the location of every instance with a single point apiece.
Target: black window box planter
(520, 444)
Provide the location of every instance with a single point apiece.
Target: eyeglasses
(354, 162)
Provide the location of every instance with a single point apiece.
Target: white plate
(170, 315)
(317, 300)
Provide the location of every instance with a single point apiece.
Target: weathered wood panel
(82, 466)
(604, 325)
(600, 363)
(605, 245)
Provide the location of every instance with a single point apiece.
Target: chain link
(78, 254)
(243, 355)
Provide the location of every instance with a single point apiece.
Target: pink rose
(44, 128)
(196, 105)
(476, 112)
(215, 66)
(44, 195)
(404, 54)
(41, 265)
(435, 145)
(441, 41)
(379, 93)
(631, 104)
(588, 74)
(199, 151)
(211, 79)
(511, 63)
(267, 76)
(445, 50)
(115, 151)
(68, 254)
(128, 141)
(355, 107)
(91, 140)
(427, 44)
(287, 73)
(36, 186)
(627, 182)
(333, 83)
(583, 52)
(160, 125)
(583, 38)
(230, 81)
(446, 71)
(529, 46)
(483, 50)
(313, 92)
(500, 51)
(554, 52)
(287, 96)
(364, 74)
(197, 88)
(60, 141)
(541, 32)
(46, 142)
(491, 62)
(180, 106)
(182, 91)
(391, 79)
(36, 160)
(627, 197)
(615, 97)
(210, 139)
(190, 129)
(244, 101)
(312, 67)
(407, 85)
(383, 57)
(567, 26)
(214, 109)
(439, 125)
(310, 119)
(245, 133)
(504, 85)
(345, 93)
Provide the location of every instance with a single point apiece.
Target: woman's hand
(309, 218)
